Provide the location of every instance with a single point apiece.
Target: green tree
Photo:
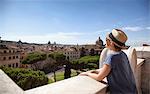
(60, 61)
(86, 62)
(82, 52)
(49, 42)
(26, 78)
(34, 57)
(67, 73)
(92, 52)
(59, 57)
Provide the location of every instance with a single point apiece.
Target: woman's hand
(86, 73)
(83, 74)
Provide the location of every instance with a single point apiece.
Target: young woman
(116, 66)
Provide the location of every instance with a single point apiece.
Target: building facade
(71, 54)
(9, 57)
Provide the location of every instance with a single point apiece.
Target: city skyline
(73, 22)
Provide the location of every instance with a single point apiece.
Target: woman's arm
(102, 73)
(95, 71)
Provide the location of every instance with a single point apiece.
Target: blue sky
(74, 21)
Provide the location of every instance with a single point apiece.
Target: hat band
(115, 40)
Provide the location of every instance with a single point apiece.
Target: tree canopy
(26, 78)
(88, 59)
(86, 62)
(34, 57)
(59, 57)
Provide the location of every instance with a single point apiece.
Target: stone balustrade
(75, 85)
(144, 53)
(8, 86)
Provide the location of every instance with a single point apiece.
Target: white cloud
(135, 28)
(148, 28)
(102, 31)
(58, 37)
(108, 30)
(139, 42)
(70, 33)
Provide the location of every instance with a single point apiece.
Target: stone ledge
(75, 85)
(143, 52)
(140, 62)
(8, 86)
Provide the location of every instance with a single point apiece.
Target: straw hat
(118, 37)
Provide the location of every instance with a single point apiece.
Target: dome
(99, 42)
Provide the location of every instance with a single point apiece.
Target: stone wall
(144, 53)
(74, 85)
(7, 86)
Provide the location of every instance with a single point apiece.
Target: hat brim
(122, 47)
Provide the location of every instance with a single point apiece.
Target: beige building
(71, 53)
(93, 48)
(9, 56)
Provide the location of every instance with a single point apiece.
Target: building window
(9, 58)
(13, 65)
(16, 56)
(4, 58)
(9, 51)
(9, 65)
(4, 51)
(13, 57)
(16, 64)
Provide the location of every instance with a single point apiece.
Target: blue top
(120, 79)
